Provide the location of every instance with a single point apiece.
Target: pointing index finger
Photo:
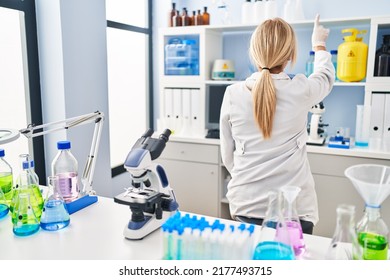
(317, 20)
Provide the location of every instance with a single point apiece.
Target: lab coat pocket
(240, 147)
(301, 140)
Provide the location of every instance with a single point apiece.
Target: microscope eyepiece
(165, 135)
(148, 133)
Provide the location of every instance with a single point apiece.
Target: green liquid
(375, 246)
(6, 186)
(36, 201)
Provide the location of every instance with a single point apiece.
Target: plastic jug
(352, 57)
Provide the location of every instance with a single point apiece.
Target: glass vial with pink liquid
(65, 166)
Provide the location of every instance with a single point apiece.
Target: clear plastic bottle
(247, 12)
(334, 61)
(65, 166)
(344, 244)
(55, 216)
(258, 14)
(6, 177)
(310, 64)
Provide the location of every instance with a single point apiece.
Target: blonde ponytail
(272, 45)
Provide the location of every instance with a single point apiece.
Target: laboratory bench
(96, 233)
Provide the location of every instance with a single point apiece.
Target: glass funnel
(373, 184)
(344, 244)
(274, 243)
(290, 214)
(23, 217)
(54, 215)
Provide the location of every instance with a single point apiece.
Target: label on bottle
(68, 185)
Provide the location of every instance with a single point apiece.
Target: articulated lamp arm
(98, 117)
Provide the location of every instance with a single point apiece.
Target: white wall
(73, 69)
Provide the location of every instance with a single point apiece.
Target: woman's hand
(319, 36)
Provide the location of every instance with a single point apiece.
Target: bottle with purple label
(65, 166)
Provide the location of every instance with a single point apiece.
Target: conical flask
(54, 215)
(4, 209)
(291, 218)
(274, 243)
(26, 183)
(373, 184)
(344, 244)
(23, 217)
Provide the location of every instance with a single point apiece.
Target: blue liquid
(54, 216)
(26, 230)
(273, 250)
(3, 210)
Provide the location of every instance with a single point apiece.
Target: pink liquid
(296, 236)
(68, 185)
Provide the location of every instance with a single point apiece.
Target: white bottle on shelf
(299, 14)
(289, 11)
(271, 9)
(247, 12)
(258, 11)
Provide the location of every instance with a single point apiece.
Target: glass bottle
(198, 18)
(193, 18)
(344, 244)
(55, 216)
(382, 58)
(24, 220)
(26, 183)
(373, 234)
(185, 19)
(6, 177)
(290, 214)
(172, 13)
(310, 64)
(206, 16)
(65, 166)
(274, 242)
(4, 207)
(176, 20)
(334, 61)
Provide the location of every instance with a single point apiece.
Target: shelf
(221, 82)
(351, 84)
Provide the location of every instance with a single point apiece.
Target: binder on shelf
(177, 110)
(195, 113)
(386, 124)
(168, 107)
(377, 115)
(186, 112)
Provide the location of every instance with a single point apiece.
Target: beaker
(290, 214)
(372, 182)
(274, 243)
(24, 220)
(344, 244)
(4, 209)
(54, 215)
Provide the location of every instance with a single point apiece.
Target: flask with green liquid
(5, 178)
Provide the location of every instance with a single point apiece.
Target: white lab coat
(257, 165)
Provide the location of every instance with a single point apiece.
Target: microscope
(150, 197)
(316, 128)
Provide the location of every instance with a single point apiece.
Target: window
(129, 40)
(19, 80)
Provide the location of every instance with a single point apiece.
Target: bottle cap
(25, 165)
(333, 52)
(312, 52)
(32, 163)
(2, 153)
(63, 145)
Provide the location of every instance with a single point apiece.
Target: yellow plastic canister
(352, 57)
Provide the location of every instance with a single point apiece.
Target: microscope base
(318, 142)
(148, 227)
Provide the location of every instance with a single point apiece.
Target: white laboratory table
(96, 233)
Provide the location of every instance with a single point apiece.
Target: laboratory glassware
(247, 12)
(6, 177)
(55, 216)
(344, 244)
(362, 131)
(206, 16)
(23, 218)
(26, 183)
(382, 58)
(171, 14)
(334, 61)
(310, 64)
(4, 207)
(290, 214)
(65, 166)
(274, 241)
(372, 182)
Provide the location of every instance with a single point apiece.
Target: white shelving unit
(211, 47)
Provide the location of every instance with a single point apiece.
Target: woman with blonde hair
(263, 123)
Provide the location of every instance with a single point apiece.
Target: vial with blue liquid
(55, 216)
